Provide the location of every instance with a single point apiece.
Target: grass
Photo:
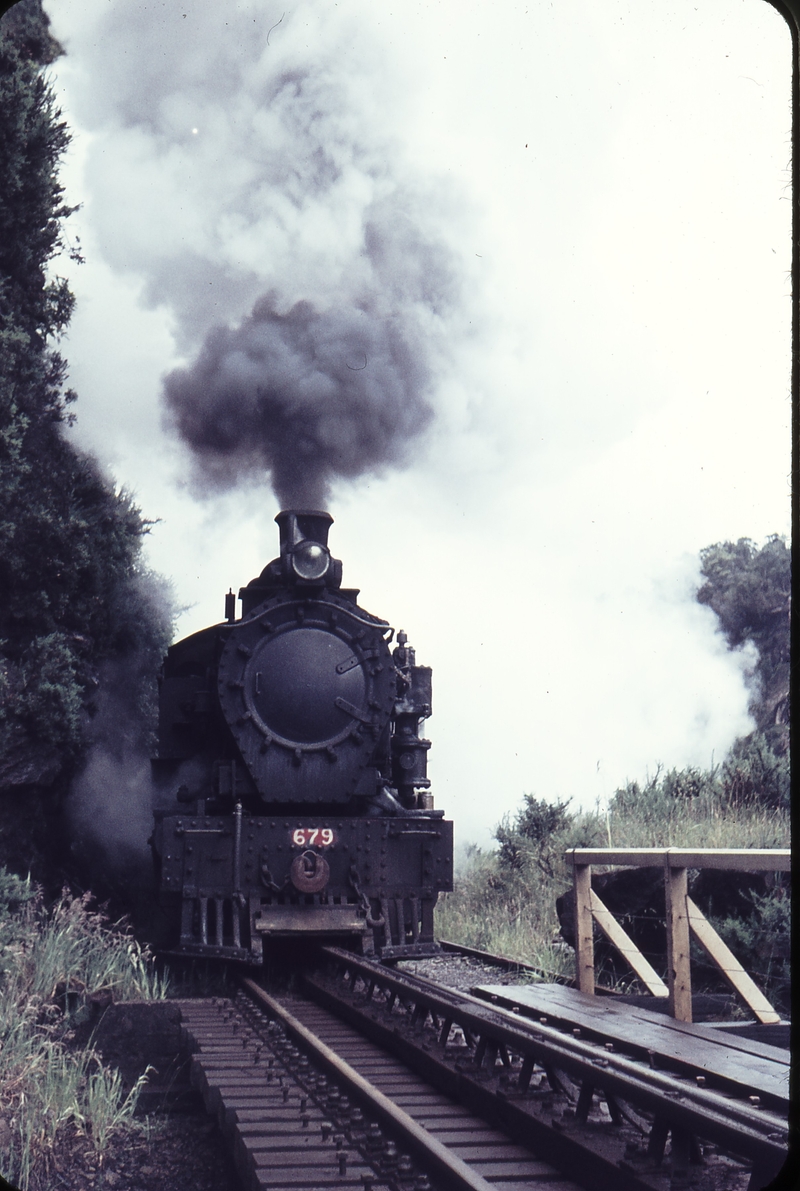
(51, 961)
(504, 900)
(653, 818)
(488, 911)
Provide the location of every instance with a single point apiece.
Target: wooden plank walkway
(761, 1069)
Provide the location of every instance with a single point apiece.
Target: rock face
(635, 896)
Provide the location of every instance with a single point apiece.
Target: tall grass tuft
(51, 961)
(75, 948)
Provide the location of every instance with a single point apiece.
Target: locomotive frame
(293, 732)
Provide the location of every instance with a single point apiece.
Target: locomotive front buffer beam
(375, 880)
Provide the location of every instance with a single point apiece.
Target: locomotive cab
(291, 775)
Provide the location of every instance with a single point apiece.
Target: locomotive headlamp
(310, 560)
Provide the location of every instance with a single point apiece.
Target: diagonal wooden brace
(731, 969)
(627, 948)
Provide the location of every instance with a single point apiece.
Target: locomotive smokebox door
(307, 689)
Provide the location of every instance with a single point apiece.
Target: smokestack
(298, 526)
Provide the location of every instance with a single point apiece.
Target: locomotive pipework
(294, 735)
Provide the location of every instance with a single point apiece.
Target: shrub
(755, 774)
(761, 941)
(76, 595)
(505, 900)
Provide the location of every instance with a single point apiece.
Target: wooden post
(584, 941)
(678, 971)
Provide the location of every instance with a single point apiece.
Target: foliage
(74, 592)
(530, 830)
(504, 901)
(754, 773)
(761, 941)
(69, 946)
(749, 590)
(495, 910)
(51, 962)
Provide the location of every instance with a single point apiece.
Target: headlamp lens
(310, 560)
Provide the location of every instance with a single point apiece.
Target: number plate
(313, 837)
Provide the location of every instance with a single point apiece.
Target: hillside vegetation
(77, 602)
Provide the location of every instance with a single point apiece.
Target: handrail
(683, 919)
(776, 860)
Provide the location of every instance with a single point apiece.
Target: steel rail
(480, 1014)
(758, 1133)
(447, 1166)
(506, 962)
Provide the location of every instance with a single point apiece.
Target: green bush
(761, 941)
(755, 774)
(505, 900)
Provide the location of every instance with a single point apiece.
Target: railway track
(307, 1102)
(374, 1079)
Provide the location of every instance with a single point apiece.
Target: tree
(74, 595)
(749, 589)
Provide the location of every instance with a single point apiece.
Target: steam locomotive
(291, 774)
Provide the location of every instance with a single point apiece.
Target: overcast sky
(575, 289)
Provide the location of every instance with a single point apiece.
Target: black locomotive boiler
(291, 775)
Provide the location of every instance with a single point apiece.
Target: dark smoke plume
(274, 217)
(307, 395)
(312, 394)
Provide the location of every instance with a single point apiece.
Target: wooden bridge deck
(762, 1069)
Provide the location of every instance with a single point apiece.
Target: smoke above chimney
(310, 392)
(301, 262)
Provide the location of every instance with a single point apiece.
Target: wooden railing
(684, 918)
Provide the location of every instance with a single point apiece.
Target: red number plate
(313, 837)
